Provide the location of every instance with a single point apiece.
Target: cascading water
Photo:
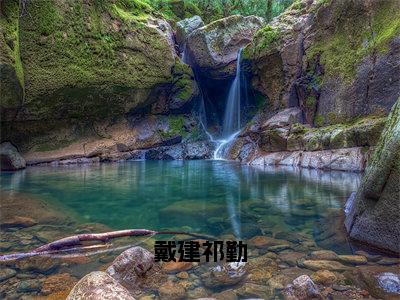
(231, 125)
(232, 115)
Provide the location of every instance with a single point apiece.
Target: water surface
(188, 194)
(219, 198)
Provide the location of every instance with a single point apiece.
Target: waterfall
(231, 125)
(231, 122)
(232, 109)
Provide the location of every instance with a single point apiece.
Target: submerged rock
(6, 273)
(329, 265)
(353, 259)
(99, 286)
(172, 291)
(10, 159)
(58, 282)
(381, 282)
(389, 282)
(225, 275)
(324, 277)
(302, 288)
(176, 267)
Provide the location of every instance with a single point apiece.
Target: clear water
(224, 199)
(189, 195)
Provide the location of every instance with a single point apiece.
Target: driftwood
(76, 243)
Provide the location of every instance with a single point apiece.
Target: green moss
(319, 120)
(296, 5)
(176, 127)
(196, 134)
(265, 39)
(311, 101)
(181, 68)
(332, 118)
(10, 40)
(356, 37)
(88, 47)
(131, 10)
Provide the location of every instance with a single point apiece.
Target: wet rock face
(372, 215)
(99, 286)
(296, 62)
(10, 159)
(214, 47)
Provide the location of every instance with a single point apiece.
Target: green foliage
(175, 10)
(211, 10)
(319, 120)
(342, 51)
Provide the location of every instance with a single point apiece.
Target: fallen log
(76, 243)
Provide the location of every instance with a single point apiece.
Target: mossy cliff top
(84, 59)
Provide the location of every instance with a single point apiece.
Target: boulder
(99, 286)
(373, 214)
(214, 47)
(302, 288)
(185, 27)
(135, 270)
(10, 159)
(120, 72)
(283, 118)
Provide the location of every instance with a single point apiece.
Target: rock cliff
(335, 59)
(373, 213)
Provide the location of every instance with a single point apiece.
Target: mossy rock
(373, 214)
(86, 60)
(11, 73)
(274, 140)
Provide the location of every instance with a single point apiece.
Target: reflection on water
(212, 197)
(219, 198)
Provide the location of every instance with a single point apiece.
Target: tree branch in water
(75, 243)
